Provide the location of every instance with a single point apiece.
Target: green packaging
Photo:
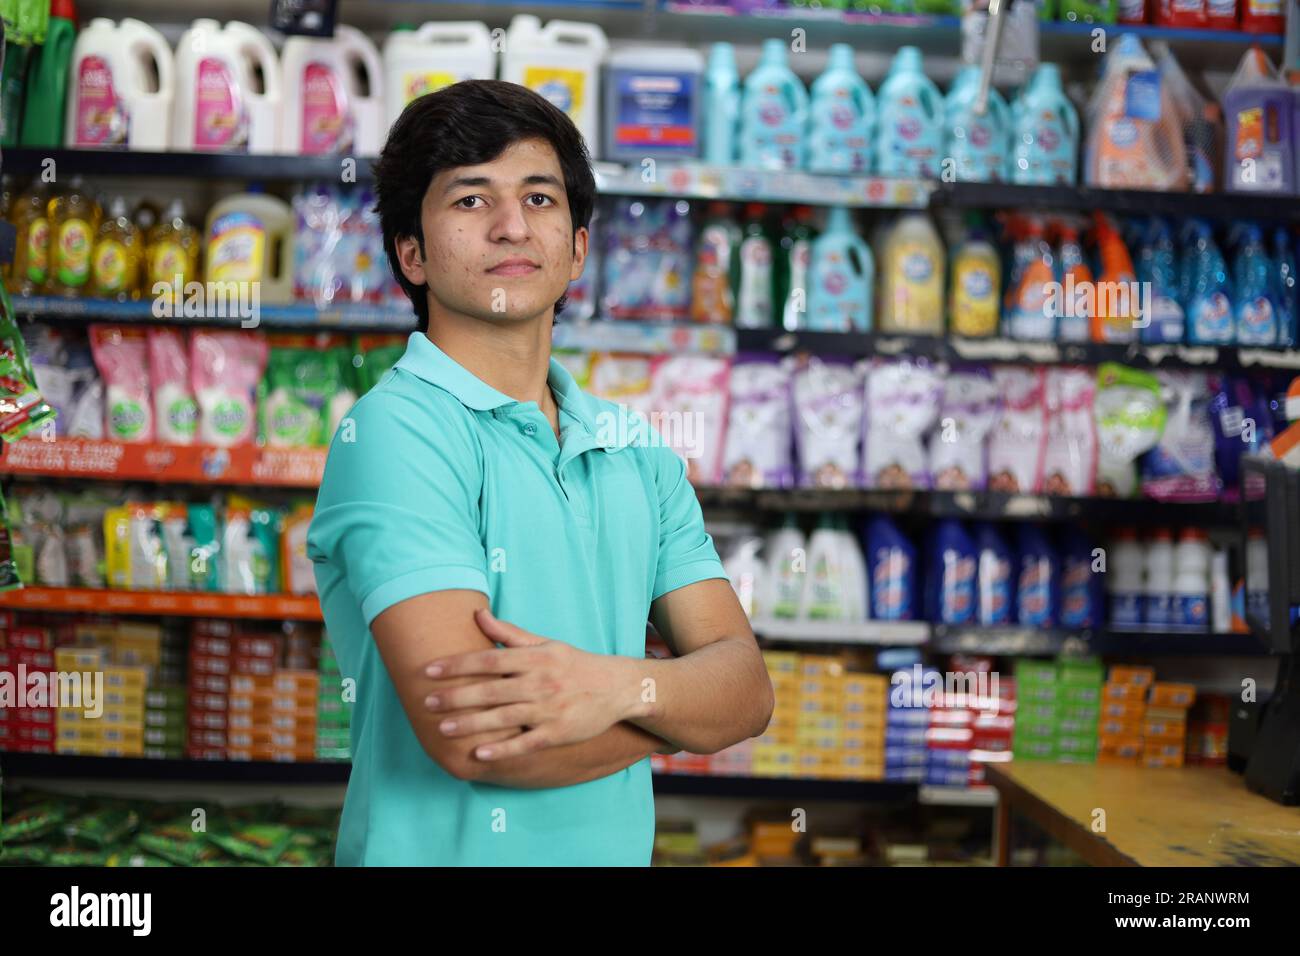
(1082, 11)
(294, 395)
(255, 842)
(101, 828)
(33, 822)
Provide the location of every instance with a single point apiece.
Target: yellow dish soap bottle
(30, 216)
(115, 263)
(975, 294)
(171, 254)
(74, 221)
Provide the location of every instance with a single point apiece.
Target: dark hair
(467, 123)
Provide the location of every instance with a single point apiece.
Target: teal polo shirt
(436, 481)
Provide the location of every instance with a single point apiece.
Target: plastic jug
(841, 278)
(327, 109)
(1081, 588)
(721, 106)
(47, 81)
(250, 239)
(1117, 310)
(977, 143)
(909, 136)
(113, 102)
(1284, 257)
(652, 104)
(995, 586)
(773, 113)
(912, 276)
(974, 291)
(1046, 132)
(422, 61)
(950, 578)
(1135, 135)
(1037, 593)
(220, 104)
(562, 63)
(1259, 110)
(891, 565)
(1028, 314)
(842, 117)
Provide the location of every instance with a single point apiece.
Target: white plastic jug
(436, 55)
(249, 238)
(327, 109)
(121, 87)
(220, 103)
(562, 63)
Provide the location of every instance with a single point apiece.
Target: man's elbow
(766, 705)
(456, 761)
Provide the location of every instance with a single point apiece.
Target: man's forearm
(706, 700)
(622, 745)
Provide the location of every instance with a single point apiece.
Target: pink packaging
(828, 397)
(758, 452)
(122, 358)
(175, 411)
(225, 367)
(967, 413)
(1016, 444)
(690, 401)
(902, 404)
(1070, 451)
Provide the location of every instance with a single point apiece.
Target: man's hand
(557, 693)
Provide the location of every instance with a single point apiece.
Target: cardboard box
(1172, 695)
(1127, 674)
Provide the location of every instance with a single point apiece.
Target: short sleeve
(686, 550)
(397, 513)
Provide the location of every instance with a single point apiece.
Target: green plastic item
(13, 80)
(32, 822)
(294, 396)
(1082, 11)
(204, 563)
(24, 409)
(376, 364)
(262, 843)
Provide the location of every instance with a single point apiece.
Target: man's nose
(510, 223)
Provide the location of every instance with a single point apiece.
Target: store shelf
(956, 796)
(179, 464)
(276, 607)
(1031, 642)
(113, 162)
(886, 633)
(341, 318)
(652, 338)
(799, 788)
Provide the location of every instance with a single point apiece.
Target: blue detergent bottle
(976, 143)
(1209, 290)
(909, 136)
(841, 277)
(1046, 135)
(773, 113)
(950, 574)
(721, 105)
(1036, 582)
(1081, 588)
(1284, 257)
(1255, 312)
(842, 117)
(1157, 269)
(995, 589)
(891, 564)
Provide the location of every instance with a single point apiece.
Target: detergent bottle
(1117, 306)
(995, 586)
(973, 296)
(227, 89)
(1135, 135)
(717, 267)
(30, 217)
(561, 61)
(1046, 132)
(1254, 277)
(841, 277)
(1157, 269)
(891, 566)
(1030, 313)
(773, 113)
(1037, 585)
(117, 256)
(755, 290)
(843, 117)
(47, 80)
(423, 61)
(794, 257)
(950, 578)
(74, 223)
(721, 106)
(1210, 319)
(328, 109)
(250, 239)
(1076, 306)
(977, 143)
(912, 278)
(909, 134)
(1284, 256)
(652, 103)
(1259, 109)
(171, 253)
(114, 101)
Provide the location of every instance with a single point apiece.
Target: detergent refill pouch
(968, 411)
(758, 448)
(1130, 420)
(1181, 466)
(828, 399)
(1070, 450)
(1015, 447)
(902, 403)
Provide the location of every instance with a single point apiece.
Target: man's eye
(547, 199)
(465, 200)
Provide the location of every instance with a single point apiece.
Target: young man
(477, 497)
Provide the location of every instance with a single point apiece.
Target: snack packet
(22, 407)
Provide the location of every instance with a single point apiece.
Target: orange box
(1154, 760)
(1118, 745)
(1161, 748)
(1172, 695)
(291, 682)
(1162, 727)
(1126, 674)
(1106, 757)
(1113, 691)
(1123, 709)
(1117, 727)
(250, 683)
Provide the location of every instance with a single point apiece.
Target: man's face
(498, 238)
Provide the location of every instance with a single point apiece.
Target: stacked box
(907, 724)
(121, 726)
(165, 721)
(775, 751)
(862, 746)
(970, 727)
(333, 713)
(79, 732)
(1123, 710)
(302, 646)
(819, 726)
(1079, 708)
(1057, 710)
(1164, 728)
(208, 683)
(26, 728)
(1207, 730)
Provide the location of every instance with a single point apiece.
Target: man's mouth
(514, 267)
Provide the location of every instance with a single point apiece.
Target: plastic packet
(298, 570)
(902, 403)
(122, 357)
(225, 368)
(8, 568)
(32, 822)
(295, 393)
(1181, 466)
(1130, 420)
(1015, 447)
(967, 413)
(757, 452)
(205, 547)
(117, 548)
(178, 843)
(102, 828)
(1070, 449)
(379, 353)
(175, 411)
(828, 400)
(84, 540)
(22, 408)
(256, 842)
(147, 555)
(249, 548)
(691, 396)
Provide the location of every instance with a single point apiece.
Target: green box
(164, 753)
(333, 739)
(1075, 728)
(165, 736)
(1038, 694)
(165, 698)
(1033, 749)
(338, 753)
(1076, 744)
(1089, 757)
(1081, 694)
(1081, 671)
(1029, 671)
(1035, 730)
(1036, 712)
(1087, 713)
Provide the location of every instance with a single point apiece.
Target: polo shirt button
(530, 429)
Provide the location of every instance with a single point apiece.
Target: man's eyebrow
(536, 179)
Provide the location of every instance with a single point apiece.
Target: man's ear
(580, 238)
(410, 259)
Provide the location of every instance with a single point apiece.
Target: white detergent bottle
(333, 91)
(227, 90)
(121, 88)
(823, 597)
(787, 562)
(423, 61)
(561, 61)
(855, 574)
(249, 238)
(746, 572)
